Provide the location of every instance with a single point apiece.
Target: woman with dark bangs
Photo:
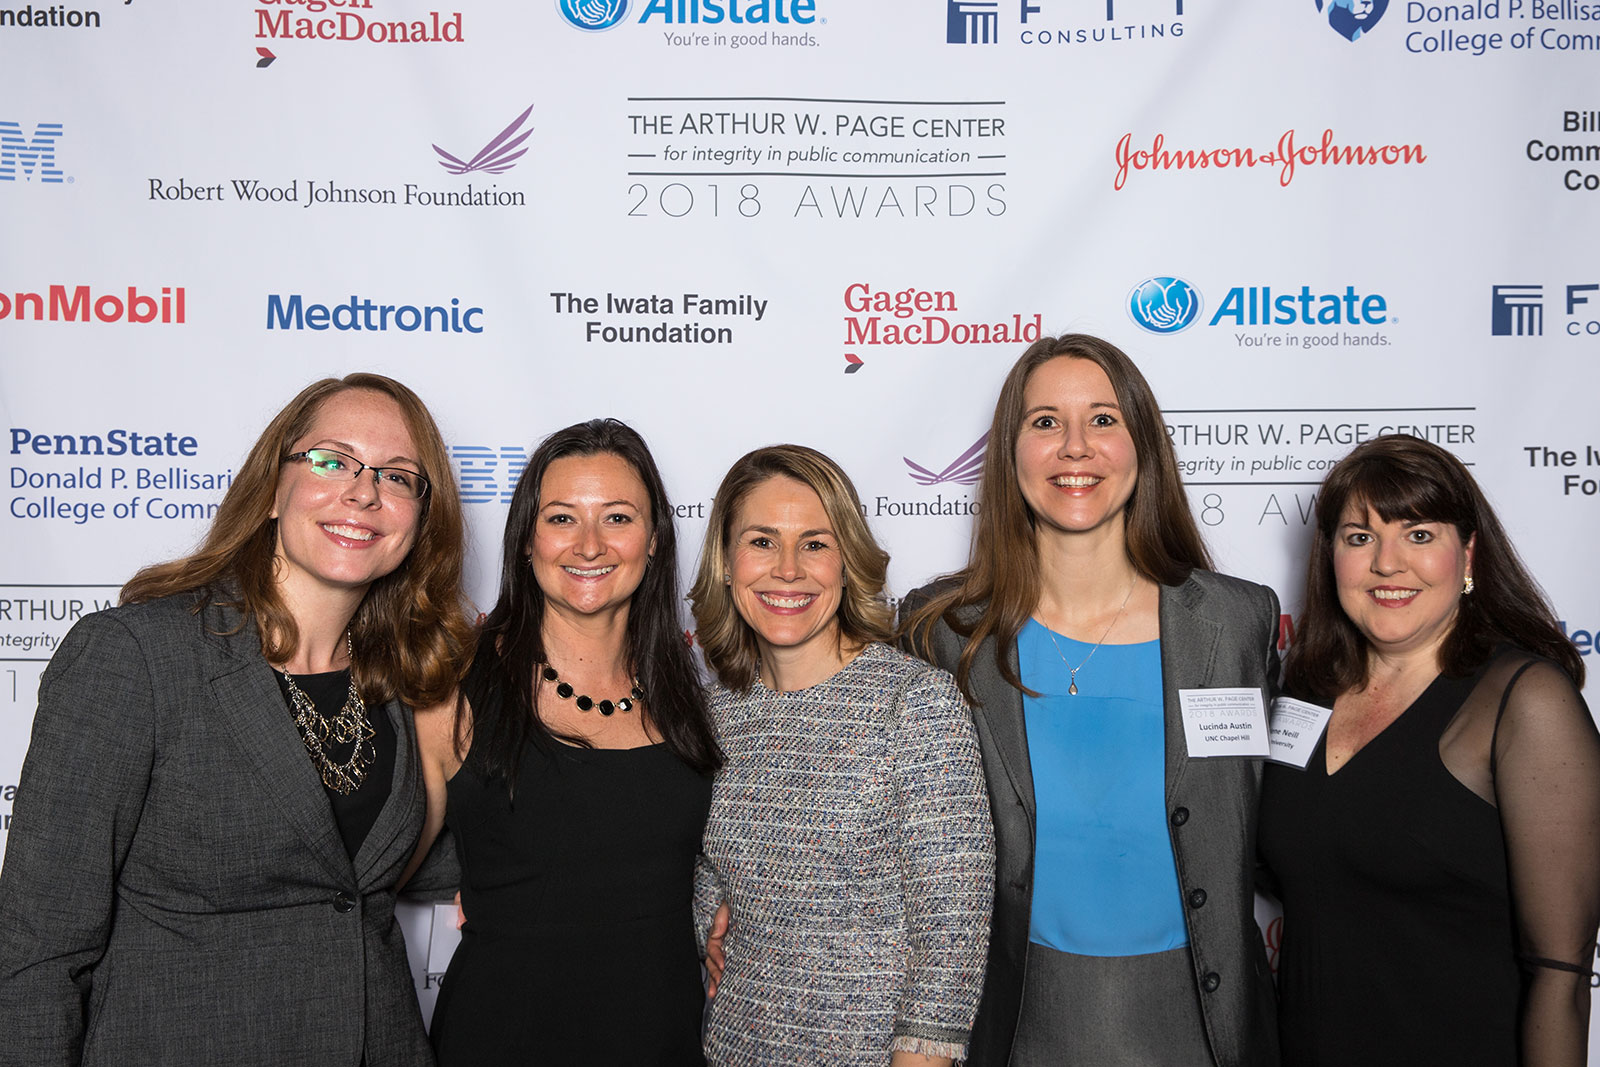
(1438, 858)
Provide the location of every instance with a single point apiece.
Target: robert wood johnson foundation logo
(593, 15)
(1352, 18)
(1164, 305)
(496, 157)
(965, 469)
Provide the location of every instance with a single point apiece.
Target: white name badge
(1295, 729)
(1224, 722)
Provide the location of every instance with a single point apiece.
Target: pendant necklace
(1072, 676)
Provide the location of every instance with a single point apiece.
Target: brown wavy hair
(411, 634)
(864, 614)
(1406, 479)
(1001, 577)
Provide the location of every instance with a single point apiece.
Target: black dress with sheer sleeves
(579, 946)
(1418, 891)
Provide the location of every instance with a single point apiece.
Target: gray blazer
(175, 890)
(1215, 631)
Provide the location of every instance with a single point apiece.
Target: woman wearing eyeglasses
(222, 788)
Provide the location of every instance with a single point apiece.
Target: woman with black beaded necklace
(574, 770)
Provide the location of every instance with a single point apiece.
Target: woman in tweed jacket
(849, 829)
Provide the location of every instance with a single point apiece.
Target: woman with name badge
(849, 830)
(1096, 645)
(575, 772)
(1438, 857)
(222, 788)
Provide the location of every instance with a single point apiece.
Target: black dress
(579, 947)
(1400, 937)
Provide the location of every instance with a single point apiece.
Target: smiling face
(592, 537)
(1076, 463)
(787, 574)
(1399, 582)
(345, 535)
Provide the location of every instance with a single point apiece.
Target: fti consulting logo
(972, 21)
(496, 157)
(1517, 311)
(1352, 18)
(965, 469)
(593, 15)
(1164, 305)
(34, 157)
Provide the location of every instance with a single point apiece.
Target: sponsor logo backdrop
(734, 222)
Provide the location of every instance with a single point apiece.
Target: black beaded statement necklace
(565, 691)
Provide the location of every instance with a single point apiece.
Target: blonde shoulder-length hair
(864, 615)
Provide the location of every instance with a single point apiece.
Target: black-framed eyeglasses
(336, 466)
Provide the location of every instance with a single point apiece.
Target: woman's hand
(716, 961)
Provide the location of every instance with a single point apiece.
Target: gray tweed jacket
(175, 890)
(1215, 631)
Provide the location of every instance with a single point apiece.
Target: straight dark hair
(656, 649)
(1002, 572)
(1403, 478)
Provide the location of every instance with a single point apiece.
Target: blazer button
(1211, 981)
(343, 902)
(1197, 898)
(1180, 816)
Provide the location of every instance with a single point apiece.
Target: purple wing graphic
(965, 469)
(496, 157)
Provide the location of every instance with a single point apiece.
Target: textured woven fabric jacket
(175, 890)
(849, 831)
(1215, 631)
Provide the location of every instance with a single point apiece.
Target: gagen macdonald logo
(913, 316)
(84, 303)
(1519, 310)
(30, 156)
(352, 23)
(1164, 305)
(294, 312)
(593, 16)
(1352, 18)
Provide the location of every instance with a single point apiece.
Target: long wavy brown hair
(411, 634)
(1001, 577)
(1406, 479)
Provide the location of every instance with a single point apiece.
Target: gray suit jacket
(175, 890)
(1215, 631)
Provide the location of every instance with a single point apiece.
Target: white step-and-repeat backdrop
(735, 222)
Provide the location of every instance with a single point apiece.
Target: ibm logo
(488, 475)
(1517, 311)
(972, 21)
(36, 156)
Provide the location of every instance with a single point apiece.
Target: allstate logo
(593, 15)
(1164, 305)
(1351, 18)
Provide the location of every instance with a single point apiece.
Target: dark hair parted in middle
(656, 649)
(1002, 575)
(1406, 479)
(729, 643)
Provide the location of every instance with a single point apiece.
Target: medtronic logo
(33, 156)
(1164, 305)
(1352, 18)
(972, 21)
(1517, 311)
(593, 16)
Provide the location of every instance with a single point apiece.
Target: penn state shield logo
(1352, 18)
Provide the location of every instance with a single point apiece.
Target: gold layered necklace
(348, 727)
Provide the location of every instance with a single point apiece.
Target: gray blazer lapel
(1001, 707)
(248, 700)
(399, 810)
(1188, 648)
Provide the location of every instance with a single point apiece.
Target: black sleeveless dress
(579, 947)
(1398, 947)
